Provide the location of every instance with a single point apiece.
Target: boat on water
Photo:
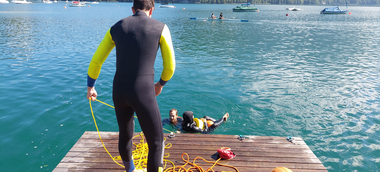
(94, 2)
(215, 19)
(294, 9)
(77, 4)
(47, 1)
(4, 2)
(21, 2)
(333, 10)
(244, 8)
(166, 5)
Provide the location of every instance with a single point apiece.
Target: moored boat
(21, 2)
(294, 9)
(77, 4)
(333, 10)
(166, 5)
(244, 8)
(4, 2)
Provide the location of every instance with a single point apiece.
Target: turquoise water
(306, 75)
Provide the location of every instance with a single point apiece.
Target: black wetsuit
(137, 39)
(190, 126)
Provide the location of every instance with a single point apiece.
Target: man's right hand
(91, 93)
(158, 88)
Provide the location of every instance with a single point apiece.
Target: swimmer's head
(173, 115)
(188, 118)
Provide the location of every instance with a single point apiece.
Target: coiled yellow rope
(140, 154)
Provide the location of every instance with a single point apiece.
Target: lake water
(304, 75)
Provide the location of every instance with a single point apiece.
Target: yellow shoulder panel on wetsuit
(101, 54)
(167, 52)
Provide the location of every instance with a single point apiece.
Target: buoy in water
(281, 169)
(183, 8)
(258, 10)
(349, 13)
(64, 7)
(88, 6)
(287, 14)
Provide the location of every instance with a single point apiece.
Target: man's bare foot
(226, 116)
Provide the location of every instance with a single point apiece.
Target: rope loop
(140, 154)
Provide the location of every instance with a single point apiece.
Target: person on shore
(202, 125)
(212, 16)
(173, 120)
(137, 39)
(221, 16)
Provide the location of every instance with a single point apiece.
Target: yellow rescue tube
(199, 123)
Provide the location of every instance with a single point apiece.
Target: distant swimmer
(201, 125)
(212, 16)
(221, 16)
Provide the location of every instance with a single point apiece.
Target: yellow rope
(114, 108)
(140, 154)
(97, 129)
(105, 103)
(195, 166)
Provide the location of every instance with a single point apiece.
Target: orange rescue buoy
(281, 169)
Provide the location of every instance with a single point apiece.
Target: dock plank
(254, 153)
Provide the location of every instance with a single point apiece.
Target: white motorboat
(47, 2)
(94, 2)
(166, 5)
(294, 9)
(21, 2)
(77, 4)
(4, 2)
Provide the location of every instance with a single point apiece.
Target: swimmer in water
(174, 120)
(202, 125)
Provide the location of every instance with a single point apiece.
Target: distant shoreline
(244, 1)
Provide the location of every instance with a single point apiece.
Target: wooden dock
(255, 153)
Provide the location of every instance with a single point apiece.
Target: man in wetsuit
(137, 39)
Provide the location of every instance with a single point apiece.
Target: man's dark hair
(143, 4)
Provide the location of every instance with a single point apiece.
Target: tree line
(295, 2)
